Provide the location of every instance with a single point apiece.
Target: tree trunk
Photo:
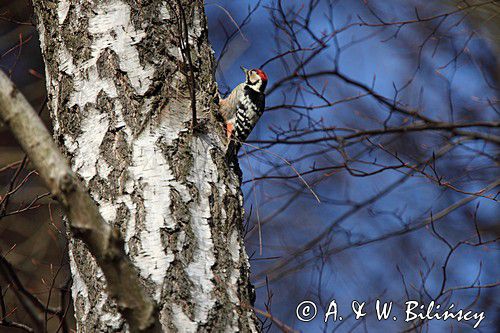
(119, 77)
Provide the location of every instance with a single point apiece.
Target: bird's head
(255, 79)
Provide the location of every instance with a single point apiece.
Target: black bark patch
(179, 156)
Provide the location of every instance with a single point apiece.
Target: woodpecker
(243, 107)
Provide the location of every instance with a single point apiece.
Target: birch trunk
(121, 109)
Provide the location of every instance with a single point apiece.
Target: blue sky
(371, 270)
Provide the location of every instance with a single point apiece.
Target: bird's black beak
(244, 69)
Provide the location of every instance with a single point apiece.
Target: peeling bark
(121, 110)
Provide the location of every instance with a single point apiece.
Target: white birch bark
(120, 106)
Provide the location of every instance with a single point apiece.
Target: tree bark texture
(121, 101)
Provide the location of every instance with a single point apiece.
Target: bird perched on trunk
(242, 109)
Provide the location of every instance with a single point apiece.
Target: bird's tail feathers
(232, 150)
